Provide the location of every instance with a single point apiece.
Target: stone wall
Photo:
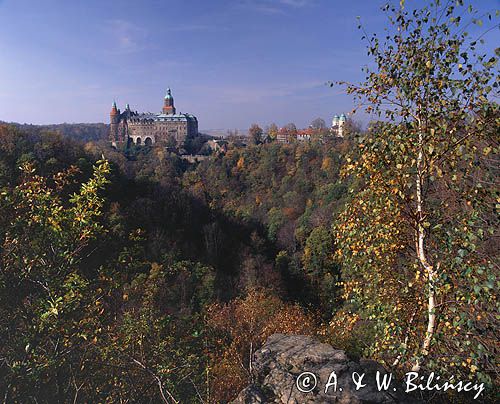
(161, 131)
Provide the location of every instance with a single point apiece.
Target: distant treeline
(85, 132)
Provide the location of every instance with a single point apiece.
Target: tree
(352, 128)
(291, 129)
(44, 286)
(157, 338)
(318, 124)
(320, 266)
(414, 239)
(255, 132)
(239, 328)
(272, 131)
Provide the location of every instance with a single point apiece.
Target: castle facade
(167, 127)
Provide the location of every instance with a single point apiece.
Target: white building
(338, 123)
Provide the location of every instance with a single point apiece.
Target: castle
(167, 127)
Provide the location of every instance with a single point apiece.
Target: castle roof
(163, 117)
(135, 116)
(114, 111)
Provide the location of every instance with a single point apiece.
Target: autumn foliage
(416, 238)
(240, 328)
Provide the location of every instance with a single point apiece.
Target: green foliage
(43, 286)
(291, 190)
(85, 315)
(320, 266)
(158, 336)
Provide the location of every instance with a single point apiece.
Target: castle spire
(114, 109)
(168, 103)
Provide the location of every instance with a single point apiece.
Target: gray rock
(250, 395)
(280, 361)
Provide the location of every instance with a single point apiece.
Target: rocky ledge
(278, 365)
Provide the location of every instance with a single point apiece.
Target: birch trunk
(431, 274)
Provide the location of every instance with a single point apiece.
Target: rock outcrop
(277, 366)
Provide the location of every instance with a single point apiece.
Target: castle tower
(127, 111)
(114, 120)
(168, 103)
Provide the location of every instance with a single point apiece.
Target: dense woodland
(147, 236)
(138, 277)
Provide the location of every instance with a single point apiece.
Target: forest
(139, 277)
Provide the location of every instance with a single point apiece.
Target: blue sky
(230, 62)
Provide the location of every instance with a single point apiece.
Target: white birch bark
(431, 274)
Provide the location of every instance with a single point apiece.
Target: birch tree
(416, 238)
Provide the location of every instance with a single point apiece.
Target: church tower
(342, 121)
(168, 104)
(114, 120)
(338, 123)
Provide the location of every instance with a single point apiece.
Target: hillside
(84, 132)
